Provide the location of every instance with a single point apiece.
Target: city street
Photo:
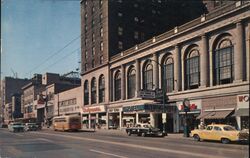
(113, 143)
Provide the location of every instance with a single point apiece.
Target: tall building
(205, 61)
(10, 86)
(109, 27)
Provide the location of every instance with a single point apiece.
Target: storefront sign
(114, 110)
(193, 105)
(93, 109)
(147, 94)
(146, 107)
(243, 101)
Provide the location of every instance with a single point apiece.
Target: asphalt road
(110, 144)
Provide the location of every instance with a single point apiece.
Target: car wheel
(143, 134)
(129, 133)
(225, 140)
(196, 137)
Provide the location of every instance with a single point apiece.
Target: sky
(39, 36)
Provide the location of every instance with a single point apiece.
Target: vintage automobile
(16, 127)
(144, 130)
(31, 127)
(217, 132)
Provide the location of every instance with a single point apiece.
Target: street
(114, 143)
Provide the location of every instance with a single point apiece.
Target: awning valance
(241, 112)
(215, 114)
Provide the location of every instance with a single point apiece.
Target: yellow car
(218, 132)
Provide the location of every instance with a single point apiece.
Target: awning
(241, 112)
(215, 114)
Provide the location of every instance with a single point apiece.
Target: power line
(62, 58)
(55, 53)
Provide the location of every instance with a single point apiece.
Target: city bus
(67, 123)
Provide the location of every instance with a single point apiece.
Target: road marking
(105, 153)
(46, 140)
(135, 146)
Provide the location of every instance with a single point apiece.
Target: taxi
(217, 132)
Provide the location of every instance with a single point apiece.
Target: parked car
(31, 127)
(144, 130)
(217, 132)
(4, 126)
(16, 127)
(39, 126)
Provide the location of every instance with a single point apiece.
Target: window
(209, 128)
(136, 19)
(224, 63)
(120, 45)
(93, 10)
(101, 59)
(93, 23)
(192, 73)
(148, 77)
(131, 83)
(86, 16)
(93, 37)
(93, 63)
(101, 32)
(101, 89)
(169, 74)
(100, 3)
(119, 14)
(86, 92)
(117, 86)
(93, 91)
(101, 46)
(136, 34)
(120, 30)
(85, 41)
(86, 67)
(86, 28)
(93, 51)
(216, 128)
(86, 54)
(101, 17)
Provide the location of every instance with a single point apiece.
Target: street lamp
(186, 109)
(164, 114)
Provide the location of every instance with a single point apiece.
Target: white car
(16, 127)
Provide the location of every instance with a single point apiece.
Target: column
(155, 71)
(204, 62)
(123, 94)
(238, 54)
(238, 120)
(97, 118)
(152, 119)
(107, 120)
(89, 121)
(137, 118)
(177, 69)
(138, 76)
(120, 118)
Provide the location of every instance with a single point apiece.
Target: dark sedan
(144, 130)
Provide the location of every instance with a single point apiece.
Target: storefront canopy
(241, 112)
(215, 114)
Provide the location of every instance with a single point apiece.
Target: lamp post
(186, 109)
(164, 114)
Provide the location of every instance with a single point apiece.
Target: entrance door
(170, 124)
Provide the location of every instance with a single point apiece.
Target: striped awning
(215, 114)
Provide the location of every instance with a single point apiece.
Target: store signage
(243, 101)
(114, 110)
(193, 105)
(94, 109)
(147, 94)
(146, 107)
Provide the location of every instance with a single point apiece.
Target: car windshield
(229, 128)
(147, 126)
(17, 124)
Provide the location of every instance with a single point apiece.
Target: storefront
(219, 110)
(114, 118)
(242, 111)
(94, 117)
(195, 110)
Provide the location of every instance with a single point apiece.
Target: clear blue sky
(33, 30)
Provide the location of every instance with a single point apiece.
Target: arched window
(192, 72)
(224, 63)
(101, 89)
(148, 77)
(93, 91)
(131, 83)
(169, 74)
(117, 86)
(86, 92)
